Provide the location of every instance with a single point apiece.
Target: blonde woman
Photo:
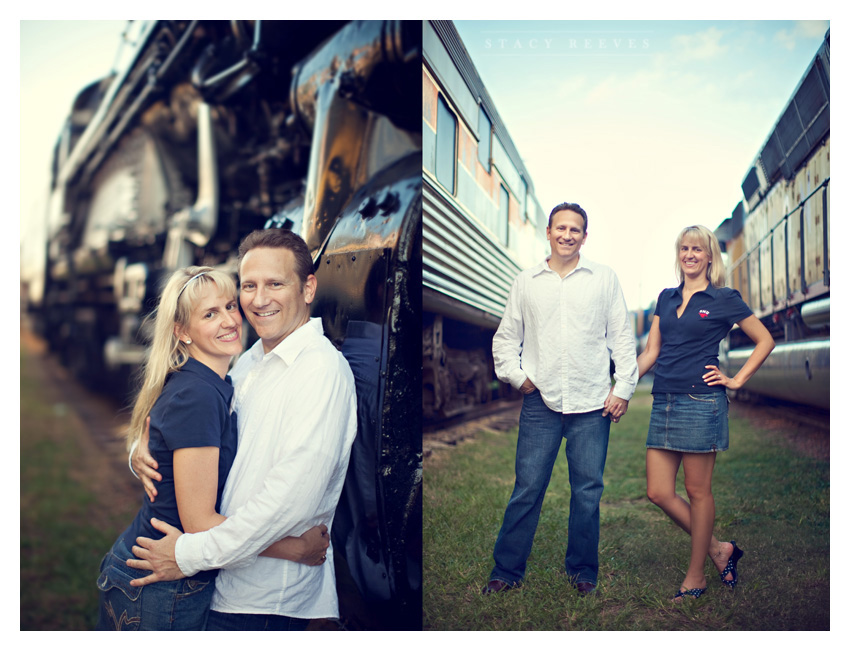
(689, 421)
(186, 393)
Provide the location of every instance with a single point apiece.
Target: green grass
(66, 525)
(773, 501)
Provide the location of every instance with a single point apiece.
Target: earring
(188, 342)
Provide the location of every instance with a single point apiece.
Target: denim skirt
(181, 605)
(689, 422)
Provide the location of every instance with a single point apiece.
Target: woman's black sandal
(732, 567)
(696, 593)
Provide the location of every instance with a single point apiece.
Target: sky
(650, 125)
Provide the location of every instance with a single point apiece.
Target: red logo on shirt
(703, 314)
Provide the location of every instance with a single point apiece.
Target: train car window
(485, 129)
(504, 204)
(446, 141)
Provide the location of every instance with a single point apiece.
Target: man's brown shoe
(497, 585)
(585, 588)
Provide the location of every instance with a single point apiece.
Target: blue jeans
(540, 434)
(249, 622)
(167, 606)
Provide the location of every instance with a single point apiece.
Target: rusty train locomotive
(214, 129)
(481, 226)
(777, 241)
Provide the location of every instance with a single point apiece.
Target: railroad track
(806, 429)
(801, 414)
(447, 433)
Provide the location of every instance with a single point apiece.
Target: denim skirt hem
(693, 423)
(669, 449)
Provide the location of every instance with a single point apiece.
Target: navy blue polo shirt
(691, 342)
(192, 411)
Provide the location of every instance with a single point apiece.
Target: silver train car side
(777, 241)
(481, 226)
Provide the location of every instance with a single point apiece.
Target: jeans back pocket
(114, 577)
(120, 603)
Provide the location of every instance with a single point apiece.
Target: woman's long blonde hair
(168, 353)
(717, 270)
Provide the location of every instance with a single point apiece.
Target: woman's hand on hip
(715, 376)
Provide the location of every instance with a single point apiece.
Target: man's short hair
(277, 238)
(574, 207)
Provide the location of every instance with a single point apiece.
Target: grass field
(70, 512)
(772, 500)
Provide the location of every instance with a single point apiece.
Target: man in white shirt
(561, 320)
(296, 414)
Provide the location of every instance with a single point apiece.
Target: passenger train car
(777, 241)
(211, 130)
(481, 226)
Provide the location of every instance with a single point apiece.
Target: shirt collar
(292, 345)
(711, 290)
(583, 263)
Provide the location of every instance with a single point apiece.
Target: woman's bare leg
(662, 466)
(698, 470)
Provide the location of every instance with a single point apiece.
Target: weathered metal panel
(780, 269)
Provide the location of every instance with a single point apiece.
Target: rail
(783, 223)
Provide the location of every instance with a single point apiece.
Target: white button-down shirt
(297, 419)
(560, 333)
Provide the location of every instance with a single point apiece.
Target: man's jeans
(247, 622)
(540, 434)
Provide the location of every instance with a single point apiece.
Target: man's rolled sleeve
(187, 552)
(624, 390)
(507, 342)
